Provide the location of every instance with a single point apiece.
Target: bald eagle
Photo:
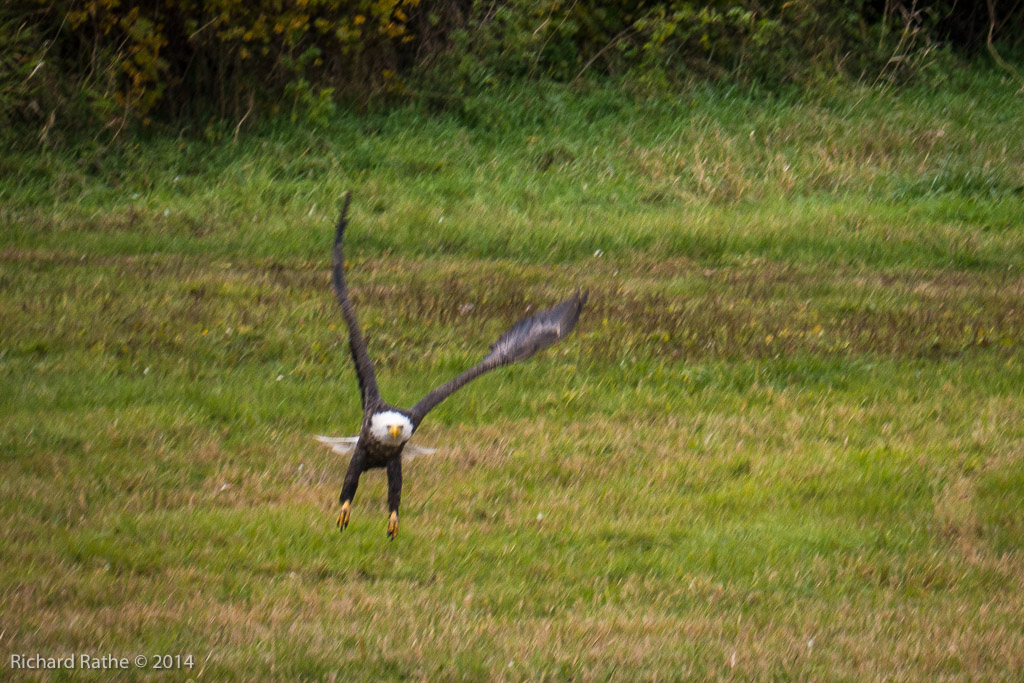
(386, 429)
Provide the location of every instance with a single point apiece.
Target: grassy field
(787, 440)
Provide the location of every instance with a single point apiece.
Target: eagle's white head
(390, 427)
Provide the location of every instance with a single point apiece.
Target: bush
(107, 62)
(131, 60)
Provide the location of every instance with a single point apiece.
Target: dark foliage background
(83, 64)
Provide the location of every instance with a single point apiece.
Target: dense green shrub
(133, 59)
(770, 41)
(101, 63)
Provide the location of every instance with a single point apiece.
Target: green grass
(785, 441)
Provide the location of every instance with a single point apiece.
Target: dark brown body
(369, 454)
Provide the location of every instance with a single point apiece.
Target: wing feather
(522, 340)
(357, 345)
(530, 335)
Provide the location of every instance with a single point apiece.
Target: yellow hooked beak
(395, 431)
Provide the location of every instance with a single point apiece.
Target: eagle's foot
(393, 526)
(346, 513)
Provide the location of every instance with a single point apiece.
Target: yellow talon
(393, 526)
(346, 513)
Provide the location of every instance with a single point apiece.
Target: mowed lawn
(786, 439)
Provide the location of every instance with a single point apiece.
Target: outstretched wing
(357, 345)
(525, 338)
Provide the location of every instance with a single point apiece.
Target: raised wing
(357, 345)
(525, 338)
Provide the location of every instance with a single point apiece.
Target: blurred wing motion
(342, 445)
(525, 338)
(357, 345)
(345, 445)
(411, 451)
